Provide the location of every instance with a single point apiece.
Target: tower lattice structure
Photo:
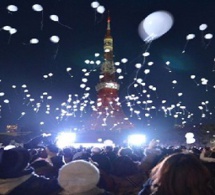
(108, 113)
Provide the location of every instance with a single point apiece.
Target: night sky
(40, 84)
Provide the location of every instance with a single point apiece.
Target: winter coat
(30, 184)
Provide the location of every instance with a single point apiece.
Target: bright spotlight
(65, 139)
(108, 142)
(136, 139)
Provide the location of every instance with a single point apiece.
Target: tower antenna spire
(108, 21)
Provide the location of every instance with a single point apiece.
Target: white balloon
(155, 25)
(68, 69)
(145, 54)
(37, 7)
(54, 39)
(12, 31)
(150, 63)
(94, 4)
(146, 71)
(12, 8)
(119, 70)
(202, 27)
(193, 76)
(138, 65)
(124, 60)
(100, 9)
(6, 101)
(34, 41)
(7, 28)
(190, 36)
(208, 36)
(54, 18)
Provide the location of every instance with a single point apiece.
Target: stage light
(65, 139)
(108, 142)
(137, 139)
(8, 147)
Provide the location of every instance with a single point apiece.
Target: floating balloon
(7, 28)
(54, 39)
(155, 25)
(100, 9)
(124, 60)
(94, 4)
(208, 36)
(146, 71)
(6, 101)
(192, 76)
(138, 65)
(145, 54)
(190, 36)
(68, 69)
(119, 70)
(37, 7)
(12, 31)
(203, 27)
(54, 18)
(150, 63)
(12, 8)
(34, 41)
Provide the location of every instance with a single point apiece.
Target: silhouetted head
(180, 174)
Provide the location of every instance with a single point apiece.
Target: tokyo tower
(108, 113)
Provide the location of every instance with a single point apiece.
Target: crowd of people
(44, 169)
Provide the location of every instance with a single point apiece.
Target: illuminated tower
(108, 113)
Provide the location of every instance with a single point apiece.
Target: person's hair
(125, 152)
(180, 174)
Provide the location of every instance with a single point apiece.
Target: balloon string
(206, 46)
(41, 24)
(8, 42)
(213, 69)
(65, 26)
(56, 52)
(185, 46)
(95, 17)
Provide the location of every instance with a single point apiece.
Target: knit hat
(13, 162)
(78, 176)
